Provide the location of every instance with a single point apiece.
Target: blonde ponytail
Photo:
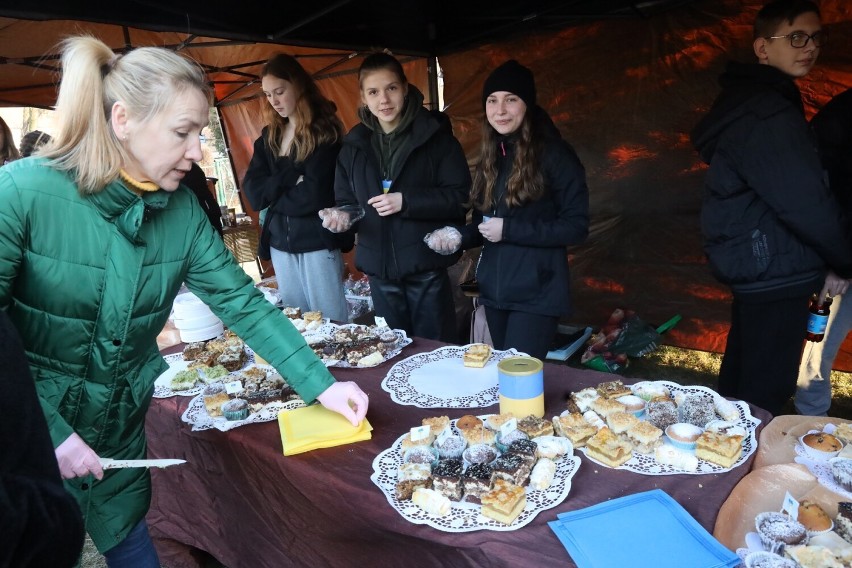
(93, 79)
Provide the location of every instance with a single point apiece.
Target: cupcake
(815, 519)
(821, 446)
(388, 339)
(504, 441)
(683, 436)
(777, 530)
(236, 409)
(841, 469)
(634, 404)
(451, 447)
(479, 453)
(421, 454)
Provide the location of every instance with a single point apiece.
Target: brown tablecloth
(241, 500)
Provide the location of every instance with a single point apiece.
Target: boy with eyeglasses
(769, 222)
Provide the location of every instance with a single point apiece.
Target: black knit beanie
(514, 78)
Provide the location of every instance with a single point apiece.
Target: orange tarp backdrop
(624, 92)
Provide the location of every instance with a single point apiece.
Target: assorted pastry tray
(683, 418)
(216, 360)
(258, 394)
(438, 379)
(466, 514)
(358, 346)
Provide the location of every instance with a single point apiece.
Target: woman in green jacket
(96, 238)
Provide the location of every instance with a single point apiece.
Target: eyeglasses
(801, 39)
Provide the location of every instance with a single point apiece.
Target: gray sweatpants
(312, 281)
(813, 392)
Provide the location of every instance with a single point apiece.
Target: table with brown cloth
(241, 500)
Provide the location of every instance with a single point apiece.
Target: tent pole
(432, 70)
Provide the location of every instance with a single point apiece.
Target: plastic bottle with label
(818, 318)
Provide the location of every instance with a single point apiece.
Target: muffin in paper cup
(451, 448)
(421, 454)
(479, 453)
(820, 451)
(503, 442)
(683, 436)
(235, 409)
(777, 530)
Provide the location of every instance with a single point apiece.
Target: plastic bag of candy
(624, 335)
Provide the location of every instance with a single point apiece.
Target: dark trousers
(421, 304)
(761, 361)
(529, 333)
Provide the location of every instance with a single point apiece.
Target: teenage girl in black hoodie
(412, 154)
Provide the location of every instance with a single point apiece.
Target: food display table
(241, 500)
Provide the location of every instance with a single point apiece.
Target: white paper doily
(821, 469)
(328, 330)
(196, 414)
(162, 386)
(466, 517)
(438, 379)
(646, 463)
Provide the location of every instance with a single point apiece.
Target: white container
(192, 335)
(197, 323)
(188, 306)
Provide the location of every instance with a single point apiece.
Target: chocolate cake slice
(446, 479)
(476, 481)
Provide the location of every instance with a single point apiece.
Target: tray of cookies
(453, 376)
(475, 473)
(659, 428)
(356, 346)
(254, 394)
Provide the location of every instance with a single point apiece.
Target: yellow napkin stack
(313, 427)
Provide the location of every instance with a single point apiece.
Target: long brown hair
(525, 183)
(315, 116)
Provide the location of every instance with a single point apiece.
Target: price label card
(380, 322)
(442, 437)
(790, 506)
(420, 433)
(508, 426)
(234, 387)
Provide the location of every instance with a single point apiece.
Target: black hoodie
(769, 223)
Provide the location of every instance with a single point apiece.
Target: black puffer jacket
(833, 128)
(528, 269)
(770, 224)
(293, 224)
(434, 180)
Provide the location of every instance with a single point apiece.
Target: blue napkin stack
(645, 530)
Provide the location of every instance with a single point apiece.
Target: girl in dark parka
(413, 153)
(530, 201)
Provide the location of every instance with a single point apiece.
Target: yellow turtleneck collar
(137, 186)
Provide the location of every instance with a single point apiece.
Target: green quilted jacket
(89, 282)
